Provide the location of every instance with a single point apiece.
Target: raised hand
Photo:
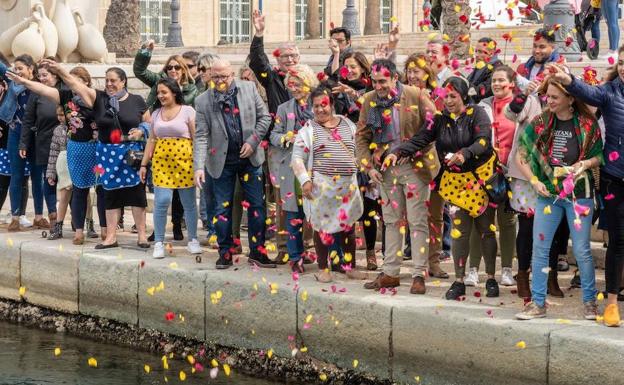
(333, 46)
(381, 51)
(555, 71)
(149, 45)
(393, 37)
(258, 22)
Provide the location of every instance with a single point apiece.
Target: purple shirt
(178, 127)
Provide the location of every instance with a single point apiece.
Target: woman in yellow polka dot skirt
(170, 148)
(462, 135)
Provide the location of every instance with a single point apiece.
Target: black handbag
(134, 158)
(497, 186)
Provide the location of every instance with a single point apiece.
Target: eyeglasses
(191, 66)
(175, 67)
(292, 56)
(203, 69)
(340, 41)
(217, 78)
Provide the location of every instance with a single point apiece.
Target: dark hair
(613, 71)
(545, 34)
(460, 85)
(121, 74)
(384, 63)
(361, 59)
(174, 88)
(191, 55)
(486, 40)
(322, 91)
(82, 73)
(511, 74)
(346, 32)
(30, 62)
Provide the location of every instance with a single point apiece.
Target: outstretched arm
(86, 94)
(36, 87)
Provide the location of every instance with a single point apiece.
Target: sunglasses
(191, 66)
(203, 69)
(175, 67)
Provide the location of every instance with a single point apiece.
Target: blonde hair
(304, 73)
(186, 75)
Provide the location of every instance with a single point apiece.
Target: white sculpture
(67, 31)
(29, 42)
(65, 34)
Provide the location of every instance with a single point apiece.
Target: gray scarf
(383, 129)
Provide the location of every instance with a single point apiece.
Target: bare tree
(372, 24)
(121, 31)
(313, 21)
(456, 24)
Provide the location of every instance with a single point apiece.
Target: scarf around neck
(113, 100)
(380, 116)
(227, 99)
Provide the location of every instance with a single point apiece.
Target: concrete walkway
(392, 335)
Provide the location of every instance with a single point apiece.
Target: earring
(571, 108)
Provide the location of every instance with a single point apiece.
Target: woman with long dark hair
(170, 148)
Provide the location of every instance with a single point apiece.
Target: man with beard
(544, 51)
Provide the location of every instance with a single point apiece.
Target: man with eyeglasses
(340, 46)
(232, 120)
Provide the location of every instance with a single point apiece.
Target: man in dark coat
(486, 60)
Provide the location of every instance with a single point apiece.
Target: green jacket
(149, 78)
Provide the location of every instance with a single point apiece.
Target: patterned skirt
(111, 162)
(172, 163)
(81, 161)
(5, 163)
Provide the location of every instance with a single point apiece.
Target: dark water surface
(27, 357)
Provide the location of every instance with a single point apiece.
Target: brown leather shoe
(14, 227)
(371, 260)
(382, 280)
(437, 272)
(41, 224)
(553, 285)
(522, 282)
(418, 286)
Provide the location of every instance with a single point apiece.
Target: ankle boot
(371, 260)
(522, 282)
(177, 232)
(553, 285)
(56, 232)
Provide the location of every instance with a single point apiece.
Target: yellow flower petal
(92, 362)
(521, 345)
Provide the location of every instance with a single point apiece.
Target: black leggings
(79, 206)
(370, 231)
(614, 212)
(177, 210)
(524, 243)
(5, 180)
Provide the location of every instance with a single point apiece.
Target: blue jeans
(251, 181)
(40, 188)
(610, 13)
(209, 203)
(294, 243)
(162, 200)
(544, 228)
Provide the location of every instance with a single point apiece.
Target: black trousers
(524, 243)
(177, 210)
(79, 206)
(612, 188)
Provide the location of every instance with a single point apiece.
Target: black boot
(177, 232)
(56, 232)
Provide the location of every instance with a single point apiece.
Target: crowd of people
(439, 158)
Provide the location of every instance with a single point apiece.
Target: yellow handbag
(463, 190)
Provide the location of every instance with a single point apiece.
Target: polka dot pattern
(81, 161)
(5, 163)
(172, 163)
(117, 173)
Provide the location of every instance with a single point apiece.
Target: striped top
(334, 149)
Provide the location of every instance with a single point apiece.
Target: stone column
(350, 18)
(174, 35)
(560, 12)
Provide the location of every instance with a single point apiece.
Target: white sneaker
(194, 247)
(159, 250)
(24, 222)
(473, 277)
(507, 277)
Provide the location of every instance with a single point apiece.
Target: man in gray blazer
(231, 120)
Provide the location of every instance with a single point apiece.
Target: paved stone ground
(562, 309)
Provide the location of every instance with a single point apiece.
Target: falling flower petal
(521, 345)
(57, 352)
(92, 362)
(613, 156)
